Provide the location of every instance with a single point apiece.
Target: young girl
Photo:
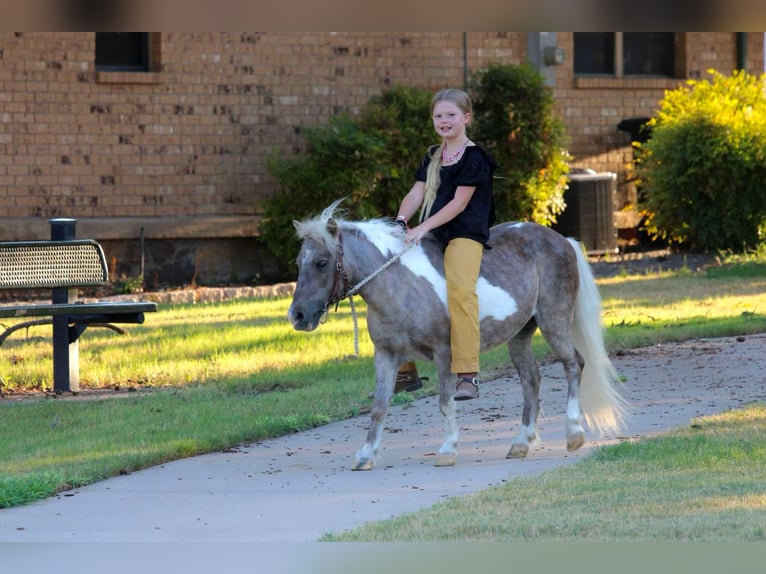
(453, 189)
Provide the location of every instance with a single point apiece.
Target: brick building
(162, 136)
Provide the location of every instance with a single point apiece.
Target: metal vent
(589, 214)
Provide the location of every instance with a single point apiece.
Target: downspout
(741, 50)
(465, 60)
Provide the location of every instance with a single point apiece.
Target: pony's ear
(332, 226)
(296, 223)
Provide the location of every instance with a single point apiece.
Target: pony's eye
(321, 264)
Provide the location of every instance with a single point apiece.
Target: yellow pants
(462, 262)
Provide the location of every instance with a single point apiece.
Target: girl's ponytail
(433, 180)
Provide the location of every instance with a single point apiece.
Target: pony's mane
(318, 230)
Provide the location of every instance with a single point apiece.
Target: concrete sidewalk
(299, 487)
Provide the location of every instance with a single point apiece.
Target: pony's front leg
(385, 373)
(447, 455)
(365, 456)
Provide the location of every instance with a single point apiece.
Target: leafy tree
(400, 117)
(341, 160)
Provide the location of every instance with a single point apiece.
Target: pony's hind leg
(560, 341)
(574, 432)
(520, 349)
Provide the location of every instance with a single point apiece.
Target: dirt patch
(650, 262)
(82, 394)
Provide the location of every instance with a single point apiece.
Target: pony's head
(323, 277)
(325, 269)
(319, 277)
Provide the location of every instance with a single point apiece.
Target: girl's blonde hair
(433, 179)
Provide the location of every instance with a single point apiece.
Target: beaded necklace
(453, 157)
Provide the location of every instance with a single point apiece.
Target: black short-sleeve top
(474, 169)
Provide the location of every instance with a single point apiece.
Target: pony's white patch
(527, 435)
(389, 244)
(382, 236)
(494, 302)
(573, 410)
(416, 261)
(367, 451)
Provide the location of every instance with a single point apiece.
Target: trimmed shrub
(703, 170)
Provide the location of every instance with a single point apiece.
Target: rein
(341, 288)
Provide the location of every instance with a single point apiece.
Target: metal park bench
(64, 265)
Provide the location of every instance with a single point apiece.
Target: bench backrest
(52, 264)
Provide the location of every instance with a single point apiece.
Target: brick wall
(178, 153)
(191, 138)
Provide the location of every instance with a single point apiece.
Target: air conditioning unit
(589, 212)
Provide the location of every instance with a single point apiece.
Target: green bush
(515, 121)
(703, 170)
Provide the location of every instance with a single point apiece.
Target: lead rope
(355, 289)
(356, 327)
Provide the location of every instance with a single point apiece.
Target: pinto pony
(531, 278)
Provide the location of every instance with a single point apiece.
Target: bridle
(340, 287)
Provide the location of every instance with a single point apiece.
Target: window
(594, 53)
(622, 54)
(122, 51)
(647, 53)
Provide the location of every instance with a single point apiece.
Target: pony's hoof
(518, 450)
(364, 464)
(448, 459)
(575, 441)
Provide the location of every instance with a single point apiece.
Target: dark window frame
(624, 54)
(123, 52)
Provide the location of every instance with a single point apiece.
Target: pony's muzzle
(303, 319)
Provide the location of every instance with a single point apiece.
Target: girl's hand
(415, 234)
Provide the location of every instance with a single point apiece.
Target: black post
(66, 355)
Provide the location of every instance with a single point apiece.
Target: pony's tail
(603, 407)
